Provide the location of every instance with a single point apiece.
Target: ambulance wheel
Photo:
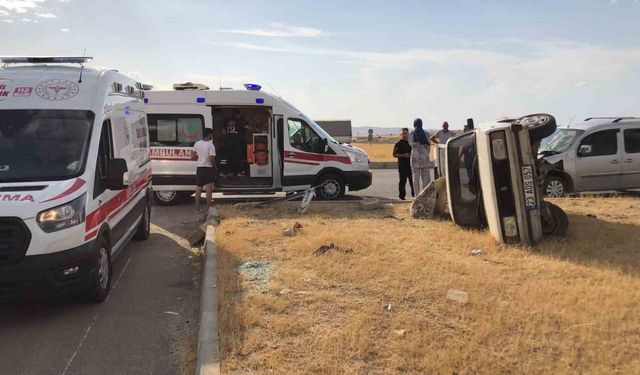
(540, 125)
(101, 279)
(556, 223)
(331, 187)
(144, 227)
(166, 198)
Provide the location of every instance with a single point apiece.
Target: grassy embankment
(378, 304)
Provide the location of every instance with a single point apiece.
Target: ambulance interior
(242, 137)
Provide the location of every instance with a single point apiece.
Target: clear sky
(379, 63)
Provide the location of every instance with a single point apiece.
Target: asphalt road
(145, 327)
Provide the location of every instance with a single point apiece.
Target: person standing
(442, 135)
(205, 153)
(235, 146)
(402, 152)
(419, 142)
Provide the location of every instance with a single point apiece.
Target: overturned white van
(263, 143)
(75, 175)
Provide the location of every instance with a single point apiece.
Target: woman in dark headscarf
(419, 141)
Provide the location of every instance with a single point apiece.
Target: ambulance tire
(540, 125)
(144, 227)
(331, 187)
(101, 279)
(557, 224)
(166, 198)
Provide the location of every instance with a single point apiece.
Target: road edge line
(208, 357)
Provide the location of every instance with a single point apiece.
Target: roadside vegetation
(376, 301)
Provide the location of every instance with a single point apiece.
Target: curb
(208, 360)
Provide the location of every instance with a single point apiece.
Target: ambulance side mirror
(325, 145)
(117, 174)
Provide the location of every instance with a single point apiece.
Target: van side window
(632, 141)
(302, 137)
(602, 143)
(105, 152)
(175, 130)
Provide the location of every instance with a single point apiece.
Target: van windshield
(38, 145)
(463, 181)
(560, 141)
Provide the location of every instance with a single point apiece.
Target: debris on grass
(476, 252)
(331, 247)
(374, 204)
(387, 307)
(457, 296)
(400, 332)
(172, 313)
(256, 273)
(293, 231)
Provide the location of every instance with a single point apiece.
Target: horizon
(437, 61)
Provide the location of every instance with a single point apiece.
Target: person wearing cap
(419, 142)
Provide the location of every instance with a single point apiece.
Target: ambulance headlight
(63, 216)
(357, 157)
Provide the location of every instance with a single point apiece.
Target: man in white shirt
(205, 153)
(443, 135)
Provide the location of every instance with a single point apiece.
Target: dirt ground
(376, 301)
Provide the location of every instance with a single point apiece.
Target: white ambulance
(75, 175)
(263, 144)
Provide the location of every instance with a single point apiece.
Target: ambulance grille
(14, 239)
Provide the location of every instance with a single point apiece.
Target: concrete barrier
(208, 361)
(392, 164)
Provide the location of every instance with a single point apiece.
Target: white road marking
(93, 322)
(86, 333)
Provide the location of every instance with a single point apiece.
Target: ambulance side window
(302, 137)
(105, 152)
(175, 130)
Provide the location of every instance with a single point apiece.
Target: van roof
(593, 122)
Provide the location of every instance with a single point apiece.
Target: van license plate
(529, 187)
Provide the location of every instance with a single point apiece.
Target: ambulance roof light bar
(45, 59)
(252, 86)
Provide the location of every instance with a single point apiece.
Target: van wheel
(144, 227)
(540, 125)
(331, 187)
(166, 198)
(555, 187)
(555, 222)
(101, 280)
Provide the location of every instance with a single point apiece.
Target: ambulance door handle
(628, 160)
(290, 154)
(615, 161)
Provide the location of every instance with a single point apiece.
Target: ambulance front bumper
(61, 273)
(358, 180)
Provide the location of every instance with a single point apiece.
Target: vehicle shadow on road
(593, 241)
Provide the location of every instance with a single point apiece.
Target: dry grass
(378, 152)
(567, 306)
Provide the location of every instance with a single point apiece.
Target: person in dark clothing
(402, 151)
(235, 146)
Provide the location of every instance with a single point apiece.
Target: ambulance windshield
(41, 145)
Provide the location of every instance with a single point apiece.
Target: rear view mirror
(584, 150)
(325, 144)
(117, 176)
